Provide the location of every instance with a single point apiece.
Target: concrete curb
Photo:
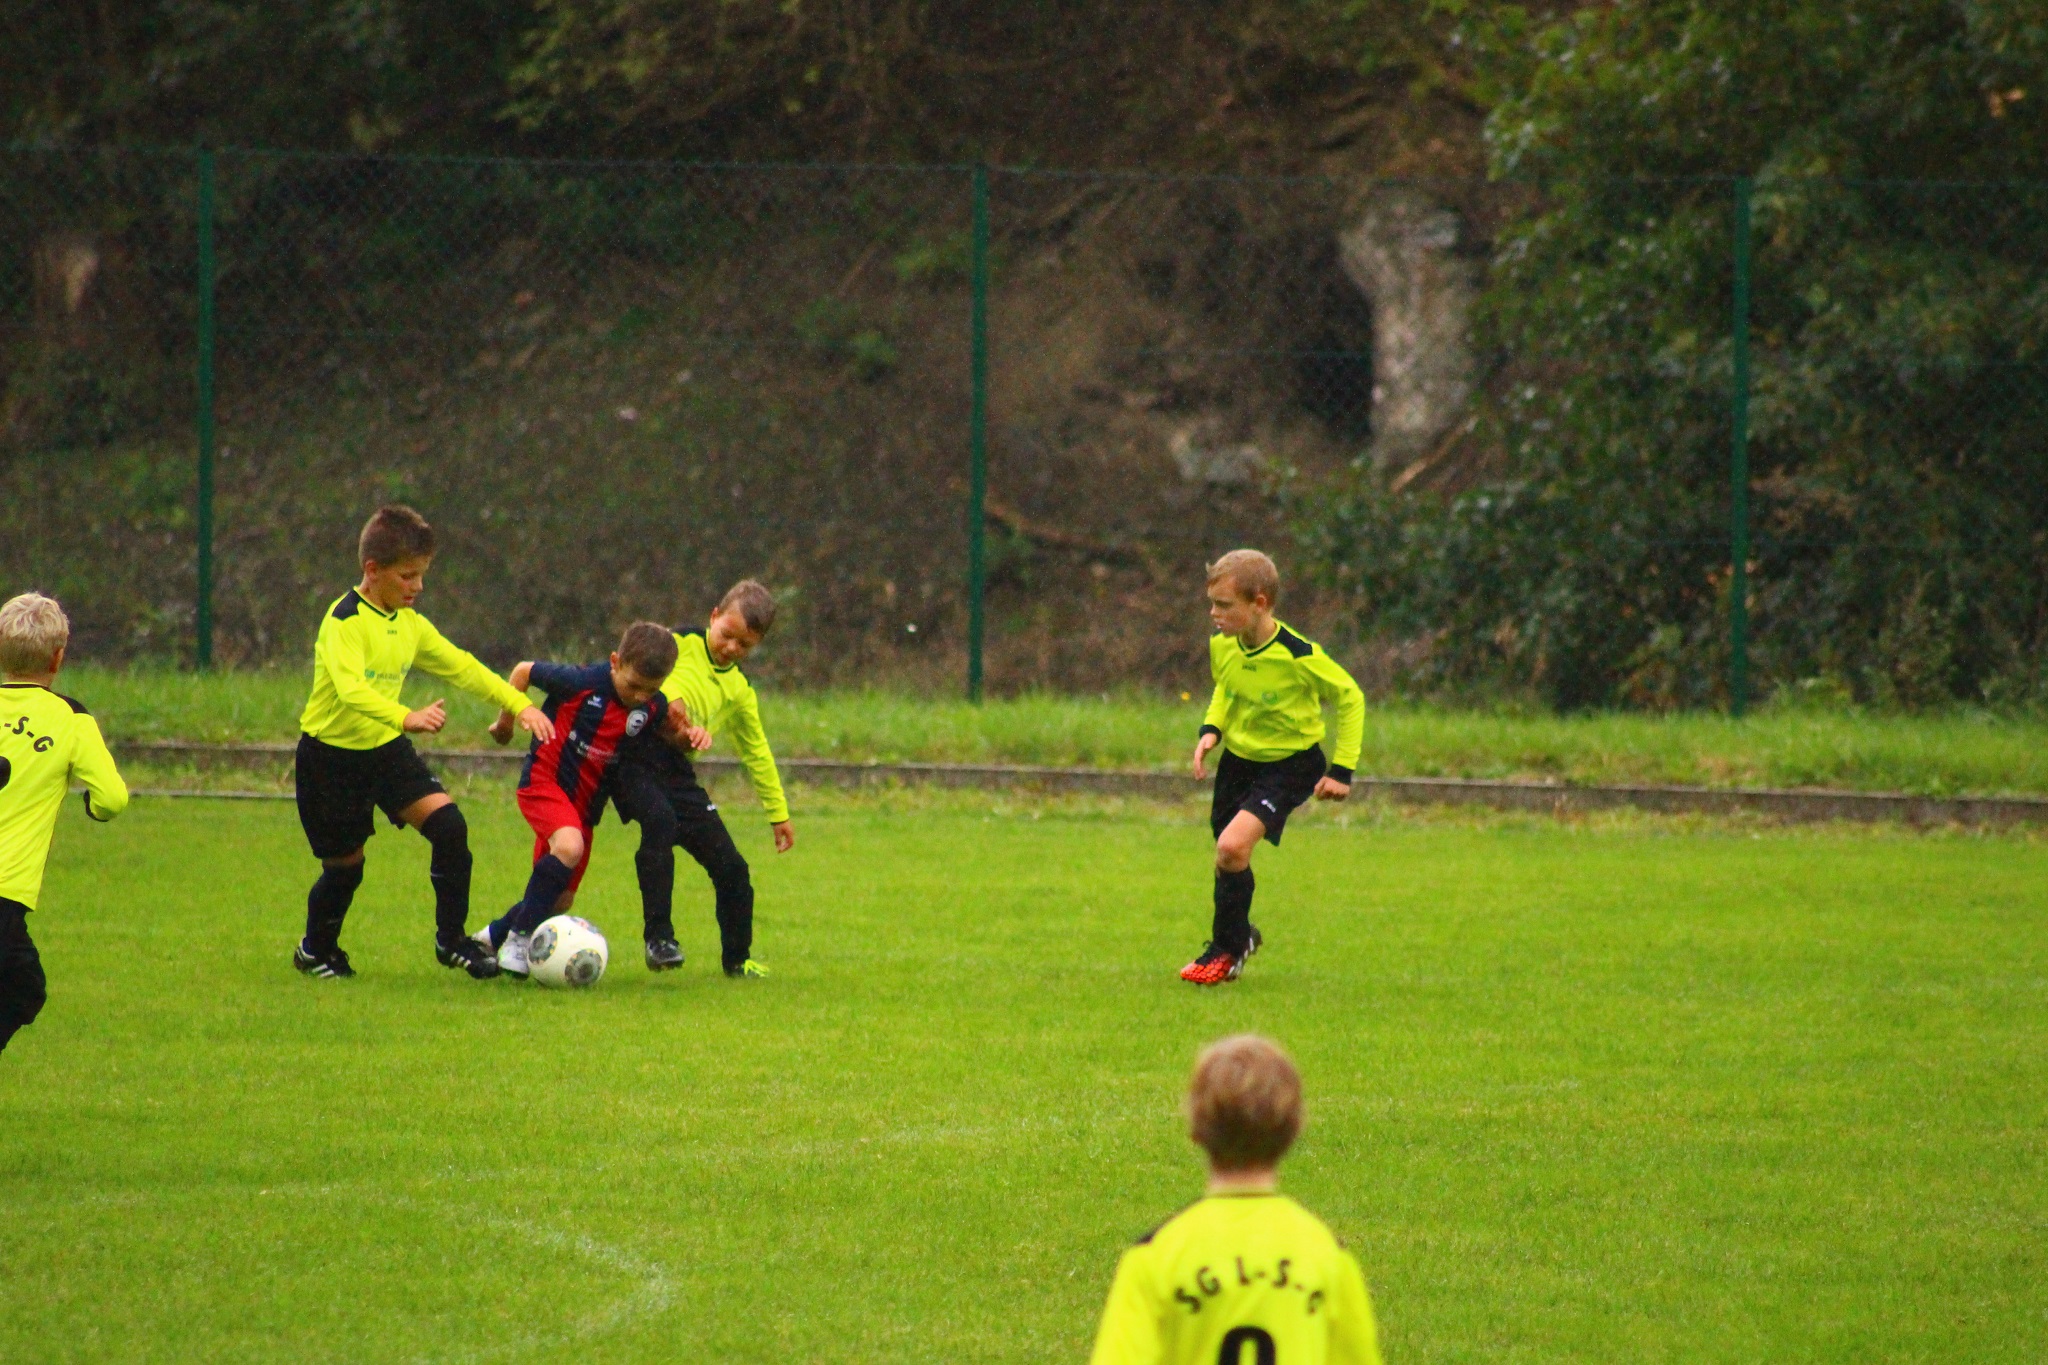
(1800, 805)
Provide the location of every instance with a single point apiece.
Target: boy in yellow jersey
(45, 741)
(354, 756)
(1267, 713)
(1246, 1276)
(655, 784)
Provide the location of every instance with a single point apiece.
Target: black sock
(656, 869)
(550, 879)
(327, 905)
(1231, 930)
(449, 870)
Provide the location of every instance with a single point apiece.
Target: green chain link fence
(990, 422)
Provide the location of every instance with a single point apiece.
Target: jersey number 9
(1234, 1342)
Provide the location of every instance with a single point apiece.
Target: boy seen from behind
(562, 786)
(1267, 714)
(657, 786)
(355, 756)
(46, 740)
(1246, 1274)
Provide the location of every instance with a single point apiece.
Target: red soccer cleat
(1213, 967)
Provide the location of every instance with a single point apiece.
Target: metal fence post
(977, 438)
(203, 615)
(1738, 465)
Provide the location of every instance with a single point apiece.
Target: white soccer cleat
(512, 957)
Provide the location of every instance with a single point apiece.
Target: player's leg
(1231, 927)
(1222, 958)
(22, 987)
(555, 869)
(441, 823)
(338, 816)
(639, 797)
(702, 834)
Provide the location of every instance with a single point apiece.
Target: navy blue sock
(551, 877)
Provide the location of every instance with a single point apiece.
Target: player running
(562, 786)
(355, 759)
(46, 740)
(1245, 1275)
(1267, 713)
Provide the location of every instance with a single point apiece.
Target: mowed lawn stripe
(1614, 1092)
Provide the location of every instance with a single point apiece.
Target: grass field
(1935, 755)
(1625, 1090)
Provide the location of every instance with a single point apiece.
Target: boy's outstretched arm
(437, 656)
(106, 795)
(534, 720)
(1338, 688)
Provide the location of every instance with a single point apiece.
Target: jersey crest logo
(636, 722)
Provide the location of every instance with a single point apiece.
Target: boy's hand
(697, 737)
(535, 722)
(501, 728)
(1202, 748)
(427, 720)
(1330, 789)
(785, 837)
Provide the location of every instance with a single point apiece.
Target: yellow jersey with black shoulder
(45, 741)
(1268, 701)
(1241, 1279)
(360, 662)
(719, 698)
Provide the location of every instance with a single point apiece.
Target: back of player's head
(394, 533)
(754, 603)
(1249, 573)
(1244, 1103)
(648, 649)
(32, 629)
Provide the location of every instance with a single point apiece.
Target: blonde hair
(32, 629)
(1244, 1103)
(1251, 572)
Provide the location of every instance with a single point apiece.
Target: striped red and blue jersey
(590, 724)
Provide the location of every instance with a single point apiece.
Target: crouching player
(656, 785)
(354, 756)
(1267, 713)
(595, 708)
(1246, 1274)
(45, 741)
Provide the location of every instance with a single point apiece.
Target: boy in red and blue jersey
(595, 709)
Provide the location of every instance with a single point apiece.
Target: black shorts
(22, 987)
(1270, 791)
(340, 789)
(661, 773)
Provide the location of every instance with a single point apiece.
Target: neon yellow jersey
(1238, 1279)
(725, 703)
(45, 741)
(360, 661)
(1269, 701)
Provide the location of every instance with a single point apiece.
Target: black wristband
(1209, 730)
(1339, 773)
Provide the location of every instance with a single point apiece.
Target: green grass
(1624, 1090)
(1974, 751)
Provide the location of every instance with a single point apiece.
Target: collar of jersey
(1277, 628)
(716, 667)
(393, 616)
(22, 684)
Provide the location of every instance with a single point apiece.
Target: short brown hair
(395, 533)
(32, 629)
(752, 600)
(1244, 1103)
(648, 649)
(1251, 572)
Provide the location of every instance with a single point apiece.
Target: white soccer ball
(567, 950)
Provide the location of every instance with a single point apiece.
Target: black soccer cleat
(1258, 941)
(465, 952)
(663, 955)
(325, 966)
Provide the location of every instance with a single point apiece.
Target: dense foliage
(1899, 482)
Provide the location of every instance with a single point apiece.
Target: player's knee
(1233, 854)
(567, 846)
(343, 876)
(657, 830)
(353, 858)
(446, 830)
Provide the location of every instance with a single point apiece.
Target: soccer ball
(567, 950)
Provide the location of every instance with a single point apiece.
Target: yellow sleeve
(106, 795)
(1219, 704)
(1336, 687)
(751, 739)
(1129, 1334)
(465, 670)
(1354, 1338)
(340, 647)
